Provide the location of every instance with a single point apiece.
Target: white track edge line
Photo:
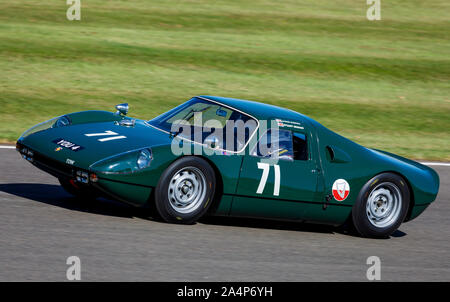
(435, 164)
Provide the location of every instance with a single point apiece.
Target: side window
(272, 145)
(300, 147)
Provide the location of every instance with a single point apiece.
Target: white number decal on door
(108, 133)
(265, 174)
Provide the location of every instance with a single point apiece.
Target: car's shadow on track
(56, 196)
(269, 224)
(285, 225)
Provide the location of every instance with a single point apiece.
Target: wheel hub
(384, 205)
(187, 189)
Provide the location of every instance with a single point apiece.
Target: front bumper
(49, 165)
(137, 195)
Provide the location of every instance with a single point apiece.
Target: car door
(281, 182)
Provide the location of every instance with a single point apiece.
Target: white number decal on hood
(108, 133)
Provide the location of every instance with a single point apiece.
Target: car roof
(259, 110)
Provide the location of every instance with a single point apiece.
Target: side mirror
(337, 155)
(122, 109)
(212, 142)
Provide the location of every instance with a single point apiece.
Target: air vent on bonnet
(126, 123)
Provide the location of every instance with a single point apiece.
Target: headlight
(62, 121)
(144, 159)
(124, 163)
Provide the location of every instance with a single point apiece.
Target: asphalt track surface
(41, 225)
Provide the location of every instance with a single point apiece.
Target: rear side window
(300, 147)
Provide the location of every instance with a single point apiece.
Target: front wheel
(185, 190)
(381, 206)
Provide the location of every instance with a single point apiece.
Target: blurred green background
(383, 84)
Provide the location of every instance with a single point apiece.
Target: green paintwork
(125, 192)
(304, 185)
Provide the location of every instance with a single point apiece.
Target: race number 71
(110, 135)
(265, 174)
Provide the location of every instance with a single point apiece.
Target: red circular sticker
(341, 189)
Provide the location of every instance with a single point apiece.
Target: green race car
(231, 157)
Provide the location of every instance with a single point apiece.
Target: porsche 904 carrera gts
(277, 164)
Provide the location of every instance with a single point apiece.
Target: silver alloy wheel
(384, 205)
(187, 190)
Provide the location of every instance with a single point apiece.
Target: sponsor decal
(62, 143)
(289, 124)
(341, 189)
(70, 161)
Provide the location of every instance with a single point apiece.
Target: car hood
(93, 141)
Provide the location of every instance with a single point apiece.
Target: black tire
(181, 177)
(79, 190)
(371, 201)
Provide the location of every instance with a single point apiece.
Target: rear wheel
(381, 206)
(77, 190)
(185, 190)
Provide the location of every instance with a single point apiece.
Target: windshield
(199, 119)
